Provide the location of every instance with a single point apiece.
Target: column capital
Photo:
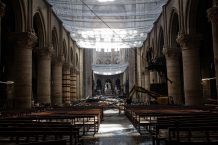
(72, 70)
(187, 40)
(23, 39)
(171, 52)
(46, 51)
(2, 9)
(213, 14)
(57, 60)
(77, 72)
(66, 66)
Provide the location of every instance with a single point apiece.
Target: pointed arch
(65, 50)
(98, 61)
(22, 16)
(39, 27)
(191, 16)
(77, 61)
(174, 28)
(160, 41)
(55, 41)
(19, 15)
(71, 55)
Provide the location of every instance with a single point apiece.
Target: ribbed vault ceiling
(108, 23)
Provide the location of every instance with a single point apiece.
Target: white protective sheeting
(109, 69)
(108, 23)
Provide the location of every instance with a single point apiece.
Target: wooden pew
(39, 129)
(144, 117)
(207, 134)
(156, 119)
(80, 108)
(163, 124)
(87, 120)
(193, 143)
(55, 142)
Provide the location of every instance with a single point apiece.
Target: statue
(105, 86)
(109, 86)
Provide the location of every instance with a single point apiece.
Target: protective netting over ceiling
(111, 69)
(108, 23)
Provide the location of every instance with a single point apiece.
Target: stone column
(23, 43)
(2, 9)
(173, 74)
(2, 13)
(131, 68)
(191, 68)
(78, 85)
(147, 80)
(44, 75)
(88, 61)
(138, 66)
(72, 85)
(213, 16)
(124, 79)
(147, 84)
(143, 79)
(66, 84)
(81, 74)
(56, 91)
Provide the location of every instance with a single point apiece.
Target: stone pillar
(132, 68)
(72, 85)
(2, 9)
(191, 68)
(143, 79)
(138, 70)
(44, 75)
(88, 77)
(139, 73)
(23, 43)
(81, 74)
(66, 84)
(56, 91)
(147, 84)
(124, 79)
(173, 74)
(3, 91)
(2, 13)
(213, 16)
(78, 85)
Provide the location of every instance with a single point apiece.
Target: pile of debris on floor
(104, 101)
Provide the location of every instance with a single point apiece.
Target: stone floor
(116, 129)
